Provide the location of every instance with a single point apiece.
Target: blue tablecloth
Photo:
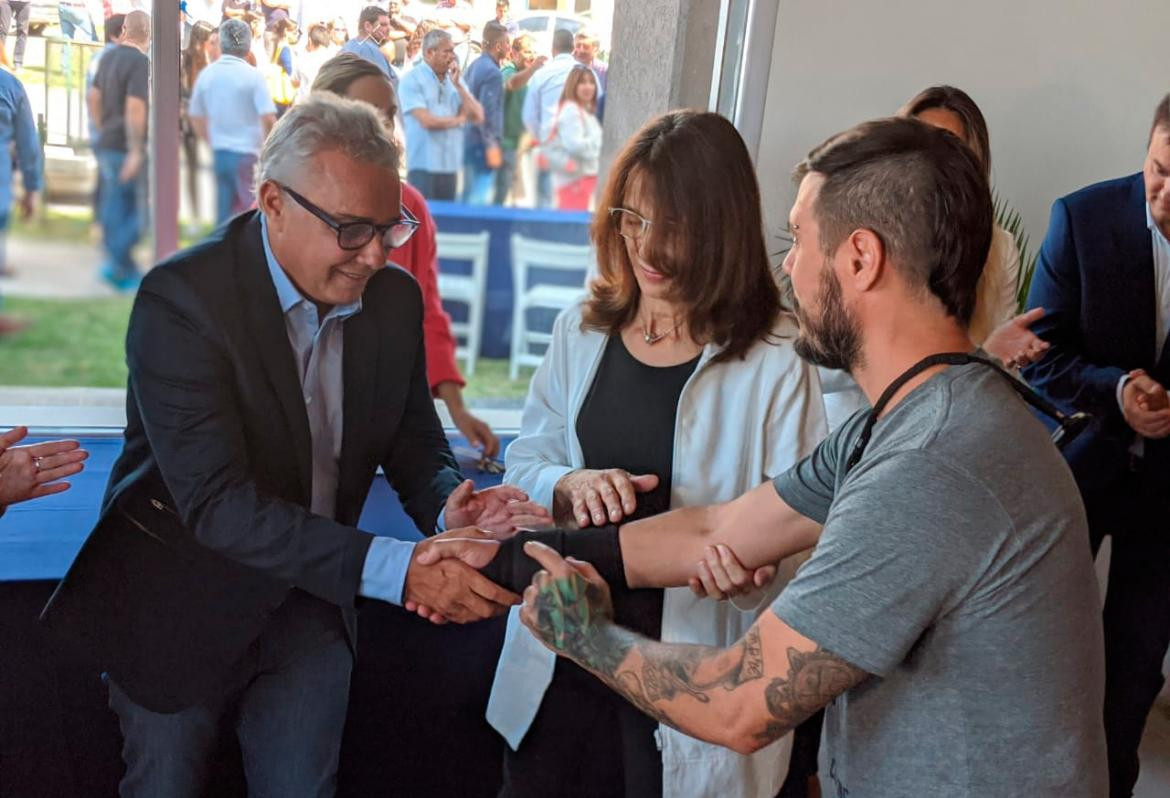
(566, 227)
(39, 539)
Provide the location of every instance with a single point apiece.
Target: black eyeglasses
(355, 235)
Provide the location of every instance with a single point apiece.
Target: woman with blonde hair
(674, 383)
(996, 326)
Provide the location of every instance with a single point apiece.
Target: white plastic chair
(534, 253)
(468, 289)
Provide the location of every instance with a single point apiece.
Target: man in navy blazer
(1103, 279)
(272, 369)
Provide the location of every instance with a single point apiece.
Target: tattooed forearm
(696, 670)
(814, 679)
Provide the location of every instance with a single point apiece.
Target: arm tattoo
(574, 617)
(814, 679)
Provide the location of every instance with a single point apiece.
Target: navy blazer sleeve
(181, 378)
(419, 465)
(1065, 374)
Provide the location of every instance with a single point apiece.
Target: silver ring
(37, 462)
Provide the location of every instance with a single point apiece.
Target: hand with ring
(35, 470)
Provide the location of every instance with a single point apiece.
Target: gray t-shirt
(954, 566)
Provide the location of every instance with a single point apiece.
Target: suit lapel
(359, 377)
(1137, 268)
(266, 323)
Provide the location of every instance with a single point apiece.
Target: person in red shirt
(351, 76)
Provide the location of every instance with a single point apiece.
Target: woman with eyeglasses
(352, 76)
(674, 383)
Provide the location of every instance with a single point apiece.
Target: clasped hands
(451, 588)
(1146, 405)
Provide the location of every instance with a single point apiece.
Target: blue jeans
(233, 183)
(71, 22)
(119, 214)
(479, 180)
(505, 175)
(544, 189)
(433, 185)
(288, 707)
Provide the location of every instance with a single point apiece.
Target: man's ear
(270, 200)
(867, 259)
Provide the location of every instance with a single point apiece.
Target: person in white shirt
(318, 50)
(232, 110)
(652, 396)
(575, 139)
(540, 104)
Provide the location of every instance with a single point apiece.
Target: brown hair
(959, 103)
(1161, 118)
(578, 75)
(921, 190)
(339, 72)
(707, 234)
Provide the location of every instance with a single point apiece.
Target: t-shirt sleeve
(410, 95)
(902, 543)
(808, 486)
(139, 83)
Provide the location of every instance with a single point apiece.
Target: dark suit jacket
(1095, 280)
(205, 527)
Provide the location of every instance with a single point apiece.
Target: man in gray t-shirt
(953, 567)
(948, 616)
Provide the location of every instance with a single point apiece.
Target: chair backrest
(537, 253)
(471, 247)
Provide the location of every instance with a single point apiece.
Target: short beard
(833, 341)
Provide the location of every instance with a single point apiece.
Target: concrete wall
(1068, 86)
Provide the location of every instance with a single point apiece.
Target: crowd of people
(468, 119)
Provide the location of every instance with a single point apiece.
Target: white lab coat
(738, 423)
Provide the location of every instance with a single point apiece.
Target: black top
(627, 421)
(123, 72)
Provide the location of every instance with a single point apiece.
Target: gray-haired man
(273, 368)
(232, 110)
(435, 106)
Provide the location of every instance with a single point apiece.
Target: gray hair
(321, 123)
(434, 38)
(235, 37)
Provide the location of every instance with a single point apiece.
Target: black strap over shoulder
(1068, 429)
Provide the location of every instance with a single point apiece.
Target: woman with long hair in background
(196, 55)
(573, 147)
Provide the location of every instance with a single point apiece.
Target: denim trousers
(286, 700)
(504, 176)
(233, 183)
(119, 215)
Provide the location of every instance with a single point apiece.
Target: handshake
(444, 581)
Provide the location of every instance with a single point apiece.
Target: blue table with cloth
(418, 691)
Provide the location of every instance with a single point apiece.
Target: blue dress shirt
(439, 151)
(318, 347)
(368, 50)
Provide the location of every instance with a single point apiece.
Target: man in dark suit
(1103, 278)
(272, 368)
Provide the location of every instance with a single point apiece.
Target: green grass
(69, 343)
(80, 343)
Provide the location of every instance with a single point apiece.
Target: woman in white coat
(574, 147)
(675, 383)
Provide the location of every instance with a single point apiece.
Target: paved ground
(56, 269)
